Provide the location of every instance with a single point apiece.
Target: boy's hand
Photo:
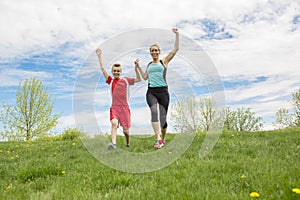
(98, 52)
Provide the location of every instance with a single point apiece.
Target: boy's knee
(114, 123)
(126, 132)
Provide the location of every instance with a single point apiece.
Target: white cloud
(265, 41)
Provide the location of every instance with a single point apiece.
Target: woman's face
(154, 51)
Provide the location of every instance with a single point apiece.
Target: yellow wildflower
(296, 190)
(254, 194)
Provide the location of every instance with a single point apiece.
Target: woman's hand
(136, 63)
(175, 30)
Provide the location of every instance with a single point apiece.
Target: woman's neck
(156, 60)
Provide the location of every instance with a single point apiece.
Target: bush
(72, 134)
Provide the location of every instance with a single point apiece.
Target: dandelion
(8, 187)
(296, 190)
(1, 150)
(254, 194)
(243, 176)
(63, 172)
(73, 144)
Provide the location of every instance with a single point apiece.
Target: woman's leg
(163, 100)
(152, 103)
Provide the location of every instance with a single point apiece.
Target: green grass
(240, 163)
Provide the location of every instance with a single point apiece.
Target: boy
(119, 110)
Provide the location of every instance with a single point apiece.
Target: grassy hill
(264, 162)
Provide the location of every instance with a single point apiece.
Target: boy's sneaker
(111, 146)
(158, 144)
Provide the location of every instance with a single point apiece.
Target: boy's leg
(126, 133)
(114, 126)
(124, 116)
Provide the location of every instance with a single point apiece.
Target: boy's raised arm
(99, 54)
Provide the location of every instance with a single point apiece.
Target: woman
(157, 93)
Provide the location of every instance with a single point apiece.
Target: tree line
(32, 115)
(201, 114)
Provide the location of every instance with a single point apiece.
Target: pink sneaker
(158, 144)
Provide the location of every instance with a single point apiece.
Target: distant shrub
(72, 134)
(44, 137)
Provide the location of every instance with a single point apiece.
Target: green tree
(32, 113)
(242, 120)
(208, 112)
(194, 115)
(284, 119)
(296, 102)
(229, 119)
(186, 116)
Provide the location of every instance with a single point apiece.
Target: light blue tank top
(157, 75)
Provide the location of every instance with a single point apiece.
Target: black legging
(160, 96)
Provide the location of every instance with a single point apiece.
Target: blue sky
(254, 46)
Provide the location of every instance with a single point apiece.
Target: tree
(296, 102)
(32, 114)
(229, 119)
(194, 115)
(283, 119)
(207, 108)
(186, 116)
(242, 120)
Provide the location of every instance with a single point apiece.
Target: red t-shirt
(119, 90)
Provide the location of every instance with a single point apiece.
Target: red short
(122, 114)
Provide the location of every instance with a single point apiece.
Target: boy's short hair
(116, 65)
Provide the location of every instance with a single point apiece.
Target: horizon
(252, 45)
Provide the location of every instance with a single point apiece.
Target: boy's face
(116, 71)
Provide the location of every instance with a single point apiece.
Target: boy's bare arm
(99, 54)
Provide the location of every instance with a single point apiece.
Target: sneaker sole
(111, 147)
